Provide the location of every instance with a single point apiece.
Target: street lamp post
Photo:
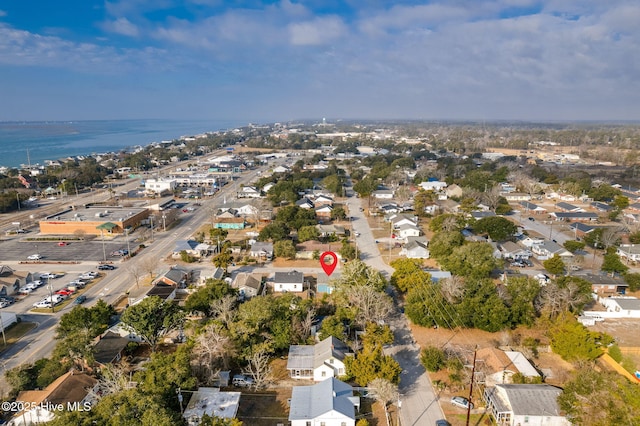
(126, 235)
(50, 287)
(104, 250)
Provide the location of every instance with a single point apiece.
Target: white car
(26, 290)
(34, 257)
(49, 275)
(461, 402)
(42, 304)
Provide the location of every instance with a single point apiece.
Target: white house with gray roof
(288, 282)
(318, 362)
(328, 403)
(524, 404)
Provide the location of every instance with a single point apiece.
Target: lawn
(14, 332)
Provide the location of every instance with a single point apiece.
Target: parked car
(462, 402)
(442, 422)
(242, 381)
(49, 275)
(106, 267)
(25, 290)
(43, 304)
(4, 304)
(8, 299)
(22, 231)
(34, 257)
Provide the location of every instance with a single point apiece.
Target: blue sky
(286, 60)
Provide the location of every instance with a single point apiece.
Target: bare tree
(223, 309)
(610, 237)
(452, 288)
(213, 350)
(149, 265)
(302, 327)
(371, 305)
(80, 234)
(259, 367)
(136, 272)
(114, 378)
(385, 392)
(492, 197)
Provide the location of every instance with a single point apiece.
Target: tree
(136, 272)
(149, 265)
(471, 260)
(574, 246)
(565, 294)
(385, 392)
(332, 326)
(274, 232)
(207, 420)
(593, 398)
(338, 213)
(498, 228)
(521, 295)
(554, 265)
(284, 249)
(357, 273)
(573, 341)
(308, 233)
(201, 300)
(442, 243)
(223, 259)
(259, 367)
(347, 251)
(433, 359)
(153, 318)
(407, 271)
(369, 304)
(213, 349)
(369, 365)
(611, 263)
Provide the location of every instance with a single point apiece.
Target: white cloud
(319, 31)
(2, 13)
(121, 26)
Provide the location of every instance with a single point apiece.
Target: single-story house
(548, 249)
(407, 230)
(629, 252)
(191, 247)
(498, 366)
(305, 203)
(318, 362)
(626, 307)
(11, 280)
(212, 402)
(330, 403)
(320, 200)
(580, 229)
(175, 276)
(516, 196)
(229, 223)
(415, 250)
(521, 404)
(309, 249)
(602, 207)
(248, 285)
(109, 347)
(566, 207)
(511, 250)
(324, 211)
(249, 192)
(481, 214)
(605, 284)
(163, 291)
(532, 208)
(581, 216)
(261, 250)
(433, 185)
(72, 389)
(382, 194)
(324, 282)
(292, 281)
(326, 230)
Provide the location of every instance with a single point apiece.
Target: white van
(242, 381)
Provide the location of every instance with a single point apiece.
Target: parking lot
(18, 248)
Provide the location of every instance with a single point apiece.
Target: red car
(62, 244)
(64, 292)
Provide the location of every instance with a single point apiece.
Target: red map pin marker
(328, 267)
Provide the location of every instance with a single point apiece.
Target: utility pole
(473, 373)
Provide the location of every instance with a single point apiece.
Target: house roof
(291, 277)
(175, 275)
(566, 206)
(70, 387)
(185, 245)
(313, 356)
(413, 245)
(245, 279)
(161, 290)
(628, 304)
(482, 214)
(575, 215)
(582, 227)
(310, 402)
(261, 246)
(532, 400)
(108, 347)
(212, 402)
(603, 280)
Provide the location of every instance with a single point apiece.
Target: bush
(615, 353)
(433, 359)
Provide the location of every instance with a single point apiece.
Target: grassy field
(14, 332)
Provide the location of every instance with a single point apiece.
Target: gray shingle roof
(310, 357)
(292, 277)
(533, 400)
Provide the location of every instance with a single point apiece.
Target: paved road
(418, 402)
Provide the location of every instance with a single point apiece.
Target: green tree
(574, 246)
(222, 259)
(94, 320)
(482, 307)
(347, 251)
(432, 358)
(425, 305)
(369, 365)
(471, 260)
(200, 300)
(153, 318)
(308, 233)
(274, 232)
(332, 326)
(611, 263)
(284, 249)
(338, 213)
(407, 271)
(522, 296)
(633, 279)
(554, 265)
(498, 228)
(219, 421)
(573, 341)
(443, 243)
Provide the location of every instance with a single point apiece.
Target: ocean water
(34, 142)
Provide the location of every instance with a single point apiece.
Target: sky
(532, 60)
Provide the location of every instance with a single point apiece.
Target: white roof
(212, 402)
(522, 364)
